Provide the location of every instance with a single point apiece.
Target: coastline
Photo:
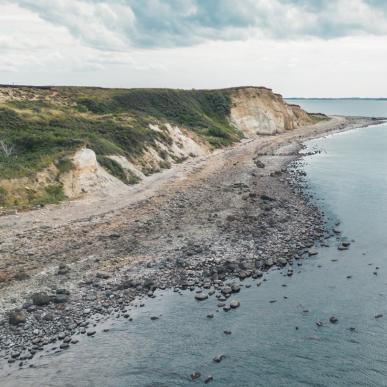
(267, 213)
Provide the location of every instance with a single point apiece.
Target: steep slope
(58, 142)
(257, 110)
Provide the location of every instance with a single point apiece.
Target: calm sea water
(349, 107)
(349, 181)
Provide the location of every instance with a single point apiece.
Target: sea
(274, 338)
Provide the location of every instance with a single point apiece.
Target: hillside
(61, 142)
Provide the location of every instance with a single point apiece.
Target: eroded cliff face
(258, 111)
(253, 111)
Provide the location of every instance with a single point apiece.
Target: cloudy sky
(297, 47)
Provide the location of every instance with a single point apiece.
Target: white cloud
(120, 24)
(297, 47)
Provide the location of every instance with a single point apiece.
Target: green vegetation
(52, 193)
(3, 197)
(116, 170)
(64, 165)
(46, 125)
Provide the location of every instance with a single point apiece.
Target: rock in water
(208, 379)
(333, 319)
(235, 304)
(195, 375)
(219, 358)
(201, 296)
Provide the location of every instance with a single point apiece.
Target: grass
(45, 127)
(115, 169)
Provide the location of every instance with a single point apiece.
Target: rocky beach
(203, 225)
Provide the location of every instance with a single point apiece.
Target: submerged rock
(333, 319)
(195, 375)
(219, 358)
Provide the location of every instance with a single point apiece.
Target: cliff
(58, 142)
(257, 110)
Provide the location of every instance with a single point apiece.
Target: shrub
(3, 197)
(64, 165)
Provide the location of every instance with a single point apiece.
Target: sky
(306, 48)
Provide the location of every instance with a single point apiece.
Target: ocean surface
(346, 107)
(272, 343)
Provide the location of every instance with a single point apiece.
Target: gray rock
(235, 288)
(226, 290)
(201, 296)
(234, 304)
(40, 299)
(61, 298)
(16, 318)
(195, 375)
(219, 358)
(333, 319)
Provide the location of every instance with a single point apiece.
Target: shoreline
(269, 212)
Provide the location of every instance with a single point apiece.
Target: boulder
(16, 318)
(201, 296)
(40, 299)
(235, 304)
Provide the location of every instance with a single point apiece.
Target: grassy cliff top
(39, 125)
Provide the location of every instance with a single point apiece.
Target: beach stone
(91, 333)
(63, 269)
(61, 298)
(234, 304)
(16, 318)
(15, 354)
(201, 296)
(282, 261)
(61, 335)
(40, 299)
(235, 288)
(226, 290)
